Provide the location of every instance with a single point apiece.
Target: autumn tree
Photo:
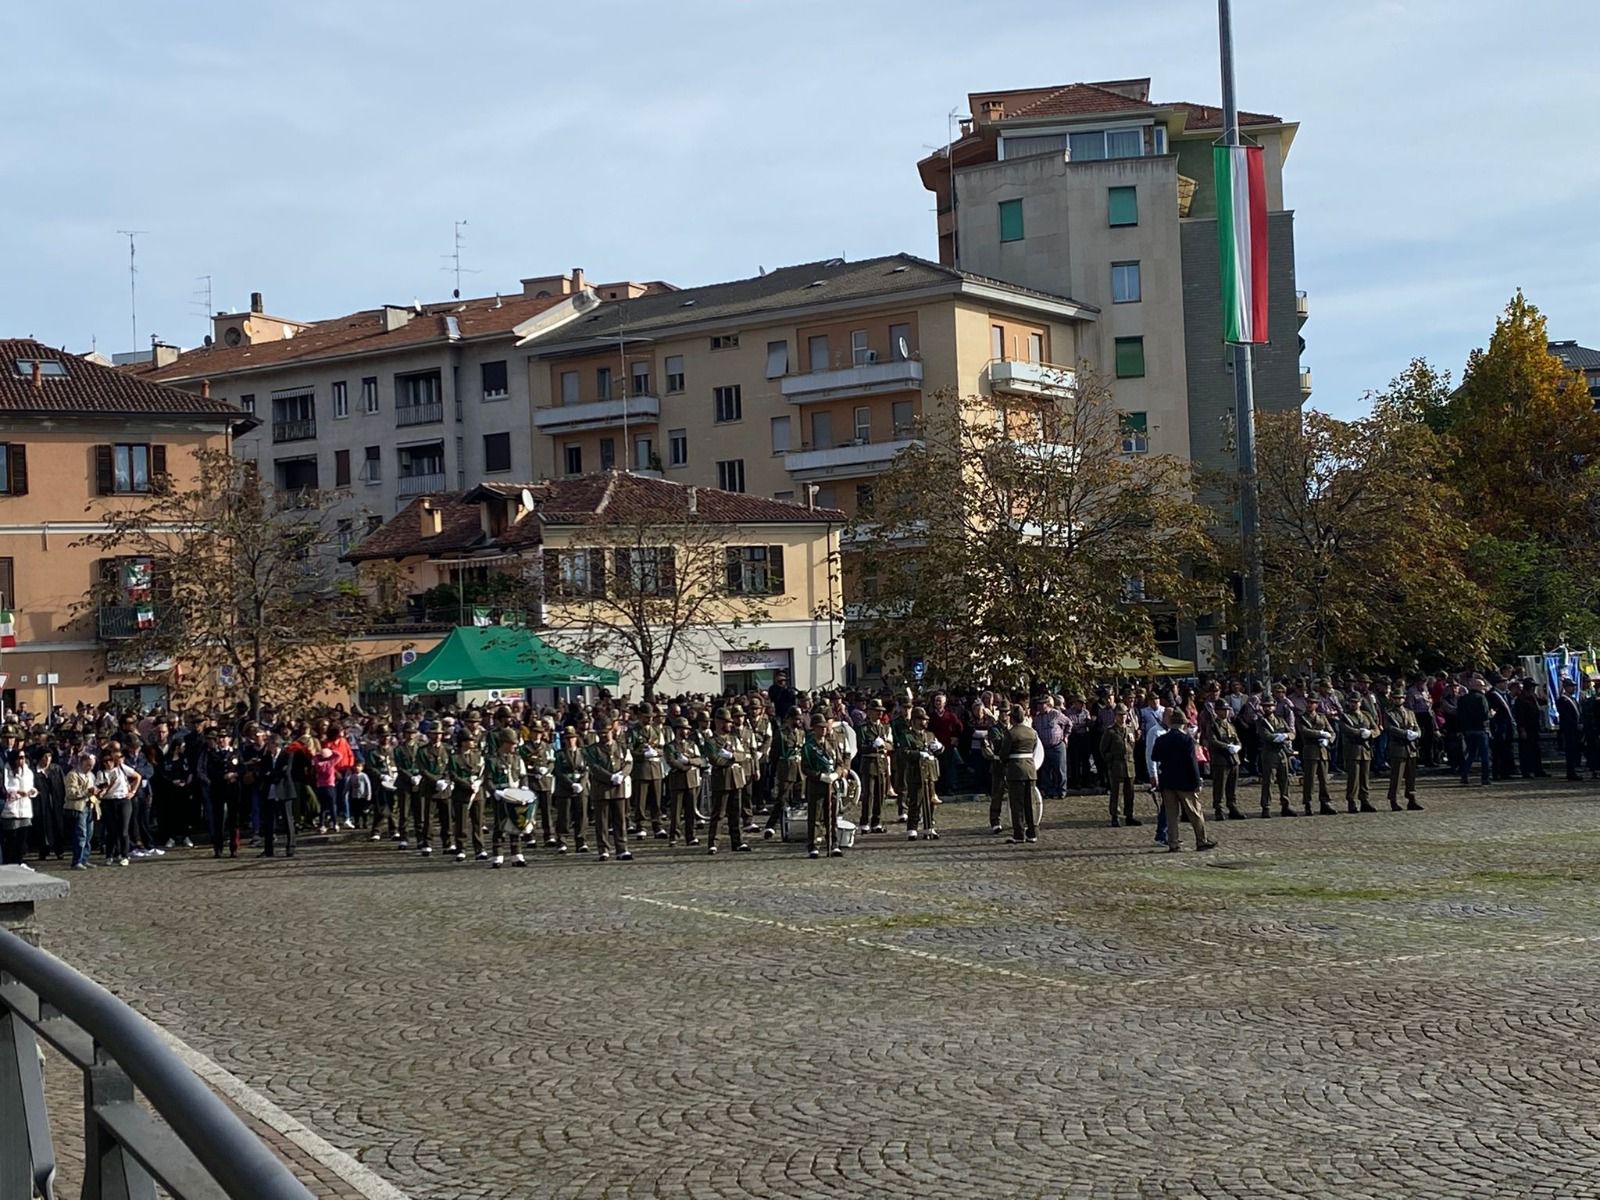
(1365, 551)
(1023, 539)
(230, 588)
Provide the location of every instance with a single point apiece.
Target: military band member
(1405, 734)
(466, 776)
(727, 783)
(1116, 753)
(1222, 739)
(648, 741)
(900, 754)
(992, 749)
(1316, 736)
(380, 762)
(685, 763)
(539, 760)
(505, 769)
(788, 780)
(872, 758)
(572, 791)
(922, 773)
(746, 739)
(764, 731)
(1022, 776)
(609, 766)
(408, 791)
(1359, 729)
(1274, 734)
(433, 769)
(820, 766)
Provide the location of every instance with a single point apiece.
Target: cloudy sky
(319, 152)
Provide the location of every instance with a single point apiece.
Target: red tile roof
(90, 388)
(1078, 99)
(1209, 116)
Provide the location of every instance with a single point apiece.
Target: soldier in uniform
(1223, 740)
(727, 784)
(900, 754)
(433, 768)
(788, 780)
(763, 729)
(408, 790)
(872, 755)
(1405, 734)
(1275, 735)
(1016, 746)
(380, 762)
(649, 739)
(466, 777)
(1116, 756)
(922, 773)
(609, 764)
(505, 769)
(572, 791)
(685, 762)
(539, 760)
(745, 739)
(1316, 735)
(1358, 729)
(992, 749)
(820, 765)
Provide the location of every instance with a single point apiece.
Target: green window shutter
(1130, 357)
(1011, 220)
(1123, 205)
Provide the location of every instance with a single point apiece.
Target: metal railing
(202, 1152)
(117, 621)
(425, 413)
(420, 485)
(302, 430)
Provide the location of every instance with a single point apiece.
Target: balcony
(865, 379)
(1030, 378)
(304, 430)
(597, 414)
(844, 462)
(421, 485)
(121, 621)
(428, 413)
(1302, 306)
(1305, 382)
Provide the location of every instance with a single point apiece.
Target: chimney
(162, 354)
(577, 279)
(993, 110)
(205, 389)
(432, 519)
(694, 500)
(255, 303)
(395, 316)
(38, 374)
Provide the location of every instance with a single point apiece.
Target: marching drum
(1038, 799)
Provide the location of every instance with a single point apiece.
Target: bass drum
(1038, 799)
(849, 732)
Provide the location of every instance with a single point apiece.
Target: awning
(475, 658)
(1157, 664)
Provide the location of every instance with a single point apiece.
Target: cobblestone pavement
(1396, 1005)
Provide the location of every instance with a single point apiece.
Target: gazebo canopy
(474, 658)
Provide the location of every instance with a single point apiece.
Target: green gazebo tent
(478, 657)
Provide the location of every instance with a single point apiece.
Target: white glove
(828, 778)
(388, 781)
(1412, 735)
(725, 755)
(936, 746)
(499, 794)
(616, 779)
(1234, 747)
(416, 781)
(877, 743)
(1280, 738)
(1366, 735)
(441, 786)
(650, 752)
(930, 757)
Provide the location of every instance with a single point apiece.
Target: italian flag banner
(8, 628)
(1242, 230)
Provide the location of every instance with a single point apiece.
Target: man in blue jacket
(1178, 774)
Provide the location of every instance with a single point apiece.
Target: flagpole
(1245, 409)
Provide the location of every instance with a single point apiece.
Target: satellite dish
(905, 348)
(527, 499)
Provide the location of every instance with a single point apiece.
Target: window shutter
(623, 561)
(161, 581)
(341, 468)
(775, 570)
(552, 573)
(18, 461)
(109, 572)
(667, 569)
(597, 578)
(158, 468)
(732, 560)
(105, 478)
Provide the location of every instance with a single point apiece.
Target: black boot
(1365, 807)
(1328, 810)
(1413, 806)
(1350, 806)
(1285, 811)
(1266, 811)
(1394, 806)
(1234, 814)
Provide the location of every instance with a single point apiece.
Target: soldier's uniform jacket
(1116, 750)
(765, 732)
(684, 764)
(819, 757)
(381, 761)
(727, 774)
(872, 760)
(572, 771)
(1017, 747)
(922, 765)
(539, 757)
(1221, 738)
(645, 738)
(605, 760)
(405, 761)
(1400, 721)
(791, 743)
(433, 764)
(746, 738)
(466, 769)
(1354, 720)
(506, 770)
(1312, 748)
(1268, 727)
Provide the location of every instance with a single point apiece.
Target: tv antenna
(455, 260)
(133, 278)
(202, 296)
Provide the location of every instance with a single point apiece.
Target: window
(8, 584)
(296, 474)
(822, 430)
(1165, 626)
(423, 464)
(785, 496)
(374, 523)
(124, 468)
(1036, 347)
(341, 469)
(341, 400)
(729, 405)
(569, 387)
(780, 435)
(369, 394)
(997, 341)
(644, 454)
(863, 425)
(904, 418)
(730, 475)
(372, 466)
(608, 453)
(674, 372)
(418, 399)
(899, 342)
(49, 368)
(677, 447)
(1011, 220)
(645, 570)
(824, 497)
(580, 573)
(1135, 433)
(294, 417)
(247, 403)
(639, 379)
(496, 452)
(602, 383)
(461, 461)
(863, 497)
(859, 351)
(347, 534)
(1122, 204)
(755, 570)
(495, 380)
(777, 359)
(574, 456)
(817, 352)
(1096, 144)
(1130, 357)
(1125, 283)
(725, 341)
(13, 470)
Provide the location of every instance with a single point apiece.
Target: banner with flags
(8, 628)
(145, 616)
(1242, 232)
(136, 579)
(480, 616)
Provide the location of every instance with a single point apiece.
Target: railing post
(27, 1155)
(109, 1171)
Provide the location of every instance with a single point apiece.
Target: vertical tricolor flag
(8, 628)
(480, 616)
(1242, 230)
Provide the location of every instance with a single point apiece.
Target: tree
(1021, 539)
(1366, 554)
(659, 586)
(229, 588)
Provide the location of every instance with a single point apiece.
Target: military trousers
(1121, 787)
(1357, 780)
(997, 792)
(646, 803)
(1274, 772)
(570, 809)
(680, 812)
(1224, 783)
(509, 818)
(1019, 792)
(919, 805)
(822, 816)
(1402, 771)
(872, 790)
(610, 824)
(466, 811)
(1314, 777)
(544, 806)
(725, 805)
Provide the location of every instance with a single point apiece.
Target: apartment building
(1581, 358)
(783, 553)
(79, 440)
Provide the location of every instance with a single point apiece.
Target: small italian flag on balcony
(480, 616)
(1242, 228)
(8, 628)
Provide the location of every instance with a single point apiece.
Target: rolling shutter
(105, 478)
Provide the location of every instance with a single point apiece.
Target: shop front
(751, 670)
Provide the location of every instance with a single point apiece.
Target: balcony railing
(843, 462)
(421, 485)
(1305, 381)
(303, 430)
(1030, 378)
(864, 379)
(119, 621)
(430, 413)
(596, 414)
